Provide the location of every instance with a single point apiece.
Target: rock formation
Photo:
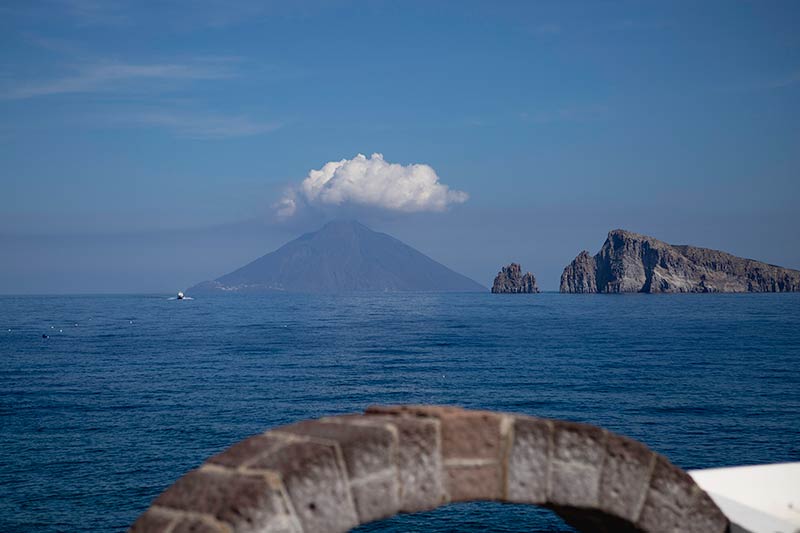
(580, 275)
(343, 256)
(511, 280)
(630, 262)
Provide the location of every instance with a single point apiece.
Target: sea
(106, 400)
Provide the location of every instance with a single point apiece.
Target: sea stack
(510, 280)
(630, 262)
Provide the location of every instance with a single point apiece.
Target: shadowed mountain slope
(343, 256)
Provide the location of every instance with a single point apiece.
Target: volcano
(343, 256)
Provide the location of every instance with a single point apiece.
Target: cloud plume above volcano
(371, 182)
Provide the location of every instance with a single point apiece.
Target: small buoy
(61, 331)
(51, 327)
(131, 322)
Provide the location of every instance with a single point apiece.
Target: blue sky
(143, 146)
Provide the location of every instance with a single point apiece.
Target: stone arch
(334, 473)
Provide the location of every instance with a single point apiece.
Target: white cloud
(102, 12)
(372, 182)
(104, 76)
(204, 126)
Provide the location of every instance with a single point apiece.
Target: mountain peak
(342, 226)
(344, 222)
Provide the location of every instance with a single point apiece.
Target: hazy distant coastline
(346, 256)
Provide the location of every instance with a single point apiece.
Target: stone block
(368, 450)
(576, 464)
(625, 478)
(242, 501)
(316, 483)
(247, 450)
(376, 497)
(465, 434)
(705, 517)
(529, 460)
(473, 482)
(152, 521)
(418, 461)
(669, 496)
(472, 435)
(195, 525)
(429, 411)
(472, 447)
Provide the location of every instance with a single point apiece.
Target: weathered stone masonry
(332, 474)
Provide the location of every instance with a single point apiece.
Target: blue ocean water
(129, 392)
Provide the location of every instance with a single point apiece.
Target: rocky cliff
(630, 262)
(511, 280)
